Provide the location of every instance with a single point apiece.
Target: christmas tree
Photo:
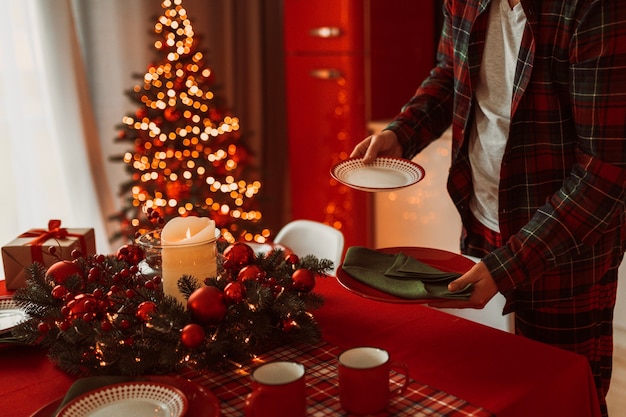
(188, 156)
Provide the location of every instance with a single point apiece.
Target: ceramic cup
(279, 390)
(364, 380)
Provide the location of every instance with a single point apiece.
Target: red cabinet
(346, 61)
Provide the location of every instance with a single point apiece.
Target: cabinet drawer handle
(326, 74)
(325, 32)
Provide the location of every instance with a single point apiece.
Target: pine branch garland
(112, 319)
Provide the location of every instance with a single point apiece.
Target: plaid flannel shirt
(563, 175)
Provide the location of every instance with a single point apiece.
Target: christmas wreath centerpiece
(100, 314)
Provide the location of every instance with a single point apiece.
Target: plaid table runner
(232, 387)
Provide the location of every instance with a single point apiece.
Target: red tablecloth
(506, 374)
(509, 375)
(320, 363)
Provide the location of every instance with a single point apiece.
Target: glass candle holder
(150, 243)
(172, 261)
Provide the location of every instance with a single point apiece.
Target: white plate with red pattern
(137, 399)
(10, 314)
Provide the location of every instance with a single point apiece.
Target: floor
(617, 393)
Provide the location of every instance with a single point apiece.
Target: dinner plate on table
(137, 399)
(201, 402)
(438, 258)
(383, 174)
(10, 314)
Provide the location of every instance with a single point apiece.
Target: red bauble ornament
(132, 254)
(238, 255)
(251, 272)
(145, 311)
(141, 113)
(192, 336)
(292, 259)
(171, 114)
(207, 305)
(234, 292)
(303, 280)
(59, 271)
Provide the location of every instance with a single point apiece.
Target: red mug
(279, 390)
(364, 380)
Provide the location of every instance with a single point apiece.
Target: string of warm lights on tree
(187, 156)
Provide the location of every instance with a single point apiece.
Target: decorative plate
(384, 174)
(438, 258)
(201, 402)
(10, 314)
(137, 399)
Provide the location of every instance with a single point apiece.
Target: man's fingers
(457, 285)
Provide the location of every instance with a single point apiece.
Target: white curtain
(49, 149)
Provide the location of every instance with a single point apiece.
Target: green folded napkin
(400, 275)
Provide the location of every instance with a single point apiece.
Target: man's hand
(484, 288)
(384, 143)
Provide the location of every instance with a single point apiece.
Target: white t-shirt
(494, 93)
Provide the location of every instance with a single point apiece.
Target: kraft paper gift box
(33, 246)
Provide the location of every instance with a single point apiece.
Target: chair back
(308, 237)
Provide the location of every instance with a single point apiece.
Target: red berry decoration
(43, 327)
(106, 326)
(238, 255)
(59, 271)
(251, 272)
(132, 254)
(207, 305)
(59, 291)
(192, 336)
(145, 310)
(83, 306)
(303, 280)
(234, 292)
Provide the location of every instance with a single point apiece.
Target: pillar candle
(188, 248)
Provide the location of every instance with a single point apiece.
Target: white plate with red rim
(10, 314)
(383, 174)
(137, 399)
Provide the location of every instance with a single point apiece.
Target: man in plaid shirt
(535, 92)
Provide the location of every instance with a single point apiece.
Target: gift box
(33, 246)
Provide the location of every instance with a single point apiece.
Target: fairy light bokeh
(187, 157)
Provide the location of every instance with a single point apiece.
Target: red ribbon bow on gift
(54, 232)
(41, 235)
